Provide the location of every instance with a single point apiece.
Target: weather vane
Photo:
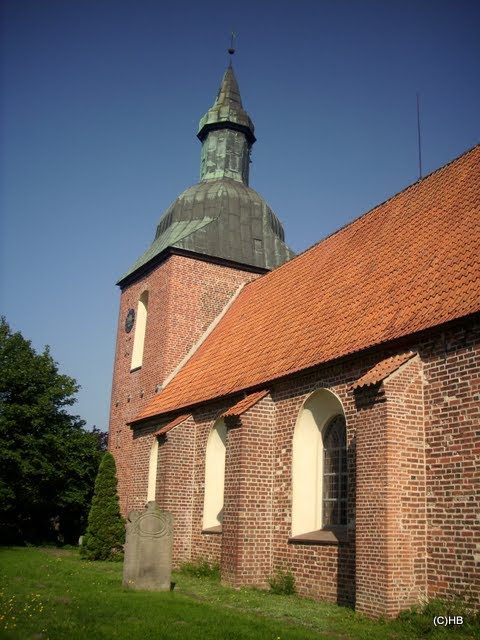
(231, 48)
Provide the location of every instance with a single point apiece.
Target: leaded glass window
(334, 494)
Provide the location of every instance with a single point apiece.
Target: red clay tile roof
(382, 370)
(409, 264)
(245, 404)
(170, 425)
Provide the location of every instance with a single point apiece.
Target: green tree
(48, 461)
(106, 529)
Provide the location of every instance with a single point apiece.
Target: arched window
(319, 471)
(140, 327)
(215, 476)
(334, 489)
(152, 471)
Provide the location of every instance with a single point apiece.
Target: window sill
(214, 530)
(135, 368)
(323, 536)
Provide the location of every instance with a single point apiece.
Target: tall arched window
(215, 476)
(319, 472)
(140, 327)
(152, 471)
(334, 489)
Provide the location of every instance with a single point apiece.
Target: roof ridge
(364, 215)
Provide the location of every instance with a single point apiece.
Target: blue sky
(100, 105)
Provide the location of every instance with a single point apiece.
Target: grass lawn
(51, 594)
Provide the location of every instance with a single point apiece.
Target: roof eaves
(300, 371)
(245, 404)
(382, 370)
(174, 423)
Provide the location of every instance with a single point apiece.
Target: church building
(318, 413)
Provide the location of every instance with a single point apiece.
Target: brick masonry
(185, 296)
(391, 494)
(413, 458)
(247, 545)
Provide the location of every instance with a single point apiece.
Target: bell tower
(226, 134)
(216, 236)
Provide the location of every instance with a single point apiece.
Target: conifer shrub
(105, 534)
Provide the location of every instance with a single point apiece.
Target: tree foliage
(106, 530)
(48, 461)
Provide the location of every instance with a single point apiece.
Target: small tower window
(141, 325)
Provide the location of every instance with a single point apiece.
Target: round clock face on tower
(129, 320)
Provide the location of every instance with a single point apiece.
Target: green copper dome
(222, 217)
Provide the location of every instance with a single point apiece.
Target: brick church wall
(246, 557)
(391, 494)
(175, 483)
(413, 458)
(322, 570)
(204, 546)
(185, 296)
(371, 572)
(452, 398)
(406, 527)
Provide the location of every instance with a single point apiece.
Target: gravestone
(148, 549)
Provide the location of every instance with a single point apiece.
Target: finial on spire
(231, 48)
